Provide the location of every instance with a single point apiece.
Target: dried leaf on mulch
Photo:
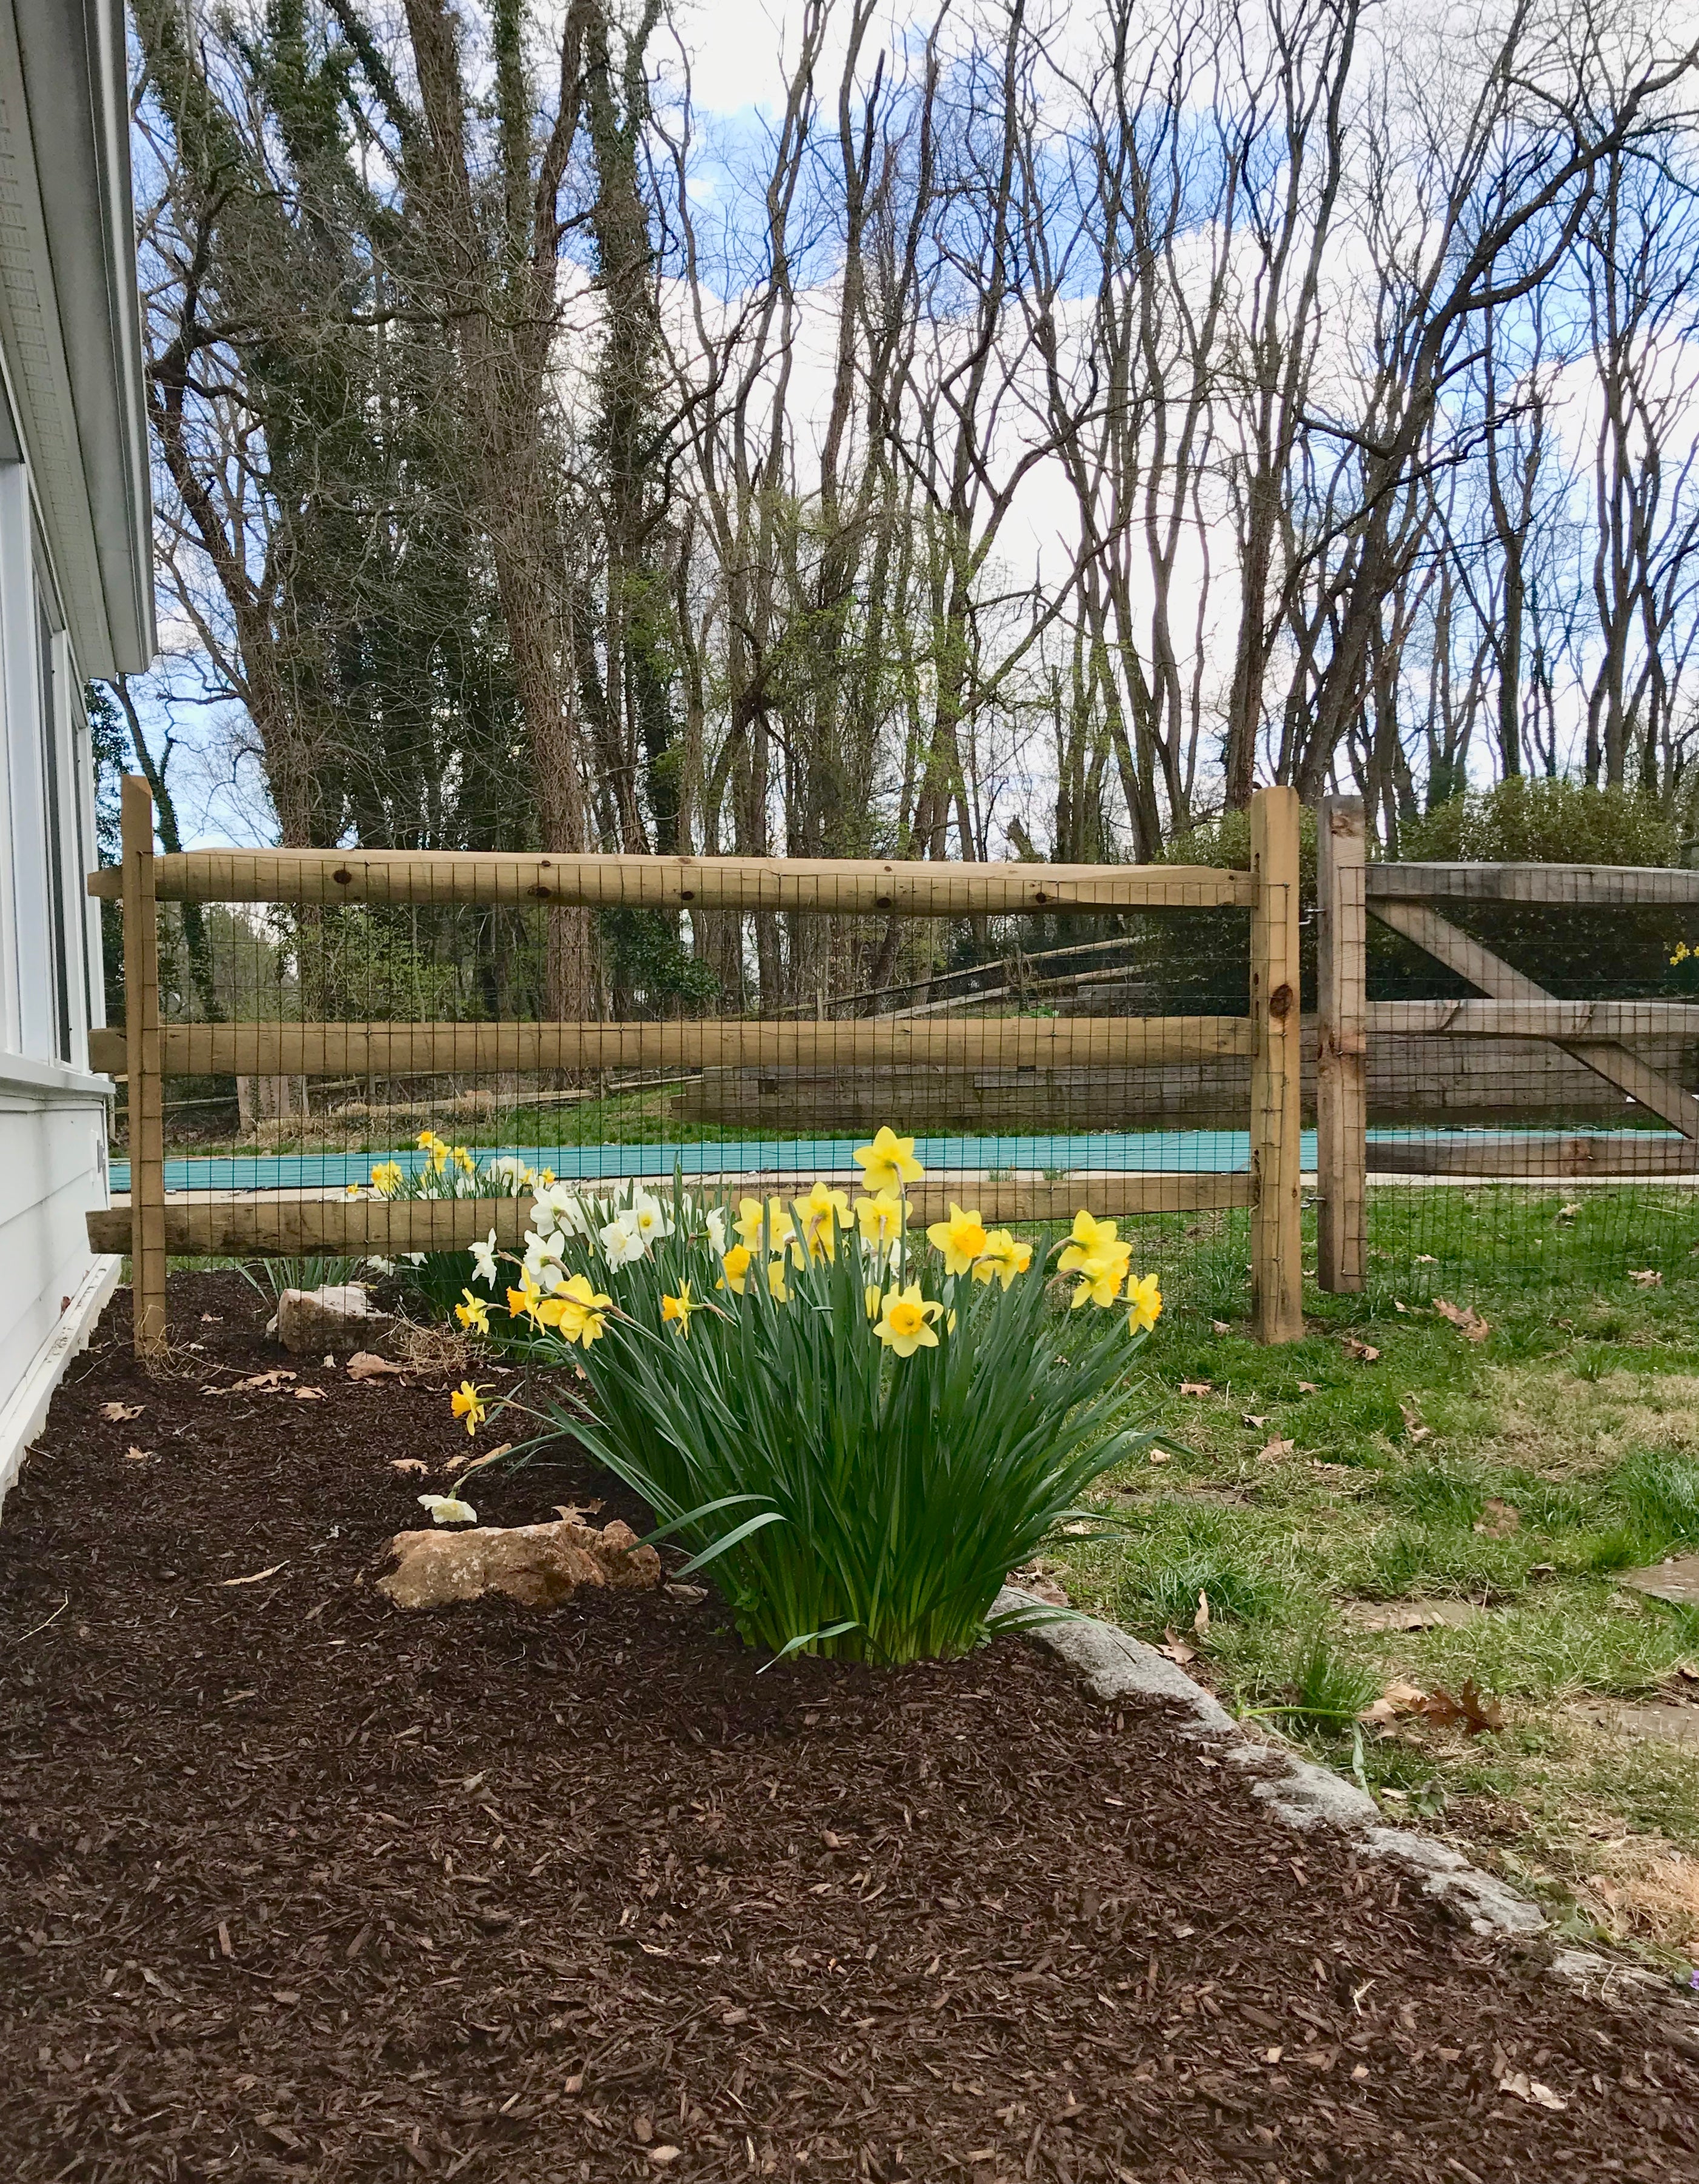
(116, 1413)
(367, 1365)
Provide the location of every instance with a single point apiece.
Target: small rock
(1660, 1724)
(538, 1565)
(315, 1320)
(1676, 1580)
(1409, 1615)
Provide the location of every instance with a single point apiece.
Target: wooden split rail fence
(146, 1050)
(1625, 1046)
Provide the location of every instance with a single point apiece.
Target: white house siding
(75, 602)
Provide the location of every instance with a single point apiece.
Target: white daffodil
(445, 1509)
(415, 1258)
(382, 1265)
(623, 1241)
(510, 1172)
(543, 1260)
(483, 1259)
(558, 1205)
(649, 1217)
(716, 1229)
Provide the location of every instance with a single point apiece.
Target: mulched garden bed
(293, 1885)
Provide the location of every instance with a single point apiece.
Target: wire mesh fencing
(360, 1060)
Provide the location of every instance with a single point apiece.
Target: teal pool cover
(1184, 1152)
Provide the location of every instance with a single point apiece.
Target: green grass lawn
(1314, 1488)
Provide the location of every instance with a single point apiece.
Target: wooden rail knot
(1280, 1002)
(342, 875)
(541, 891)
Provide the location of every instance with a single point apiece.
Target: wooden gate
(1628, 1052)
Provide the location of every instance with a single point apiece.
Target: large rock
(538, 1565)
(311, 1320)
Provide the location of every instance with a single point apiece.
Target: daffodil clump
(863, 1422)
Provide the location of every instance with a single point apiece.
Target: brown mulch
(292, 1885)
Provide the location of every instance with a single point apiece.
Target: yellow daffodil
(467, 1403)
(1098, 1258)
(735, 1269)
(578, 1311)
(473, 1313)
(871, 1298)
(1682, 952)
(819, 1217)
(1088, 1238)
(780, 1294)
(523, 1301)
(387, 1177)
(544, 1178)
(961, 1239)
(1002, 1259)
(906, 1323)
(1101, 1276)
(751, 1217)
(1145, 1299)
(888, 1163)
(435, 1149)
(464, 1160)
(880, 1218)
(677, 1310)
(353, 1190)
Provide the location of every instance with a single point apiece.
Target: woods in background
(1030, 435)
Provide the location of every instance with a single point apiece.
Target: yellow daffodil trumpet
(961, 1239)
(905, 1321)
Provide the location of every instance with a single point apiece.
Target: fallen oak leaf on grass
(1413, 1427)
(1647, 1277)
(1176, 1648)
(1396, 1699)
(1465, 1318)
(1468, 1709)
(1195, 1387)
(1364, 1352)
(1272, 1451)
(1498, 1520)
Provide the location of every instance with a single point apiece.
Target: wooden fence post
(1341, 1044)
(141, 1067)
(1277, 1296)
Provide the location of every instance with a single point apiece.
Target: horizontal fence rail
(385, 1049)
(1584, 887)
(1570, 1022)
(290, 1226)
(822, 884)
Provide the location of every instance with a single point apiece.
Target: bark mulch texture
(295, 1884)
